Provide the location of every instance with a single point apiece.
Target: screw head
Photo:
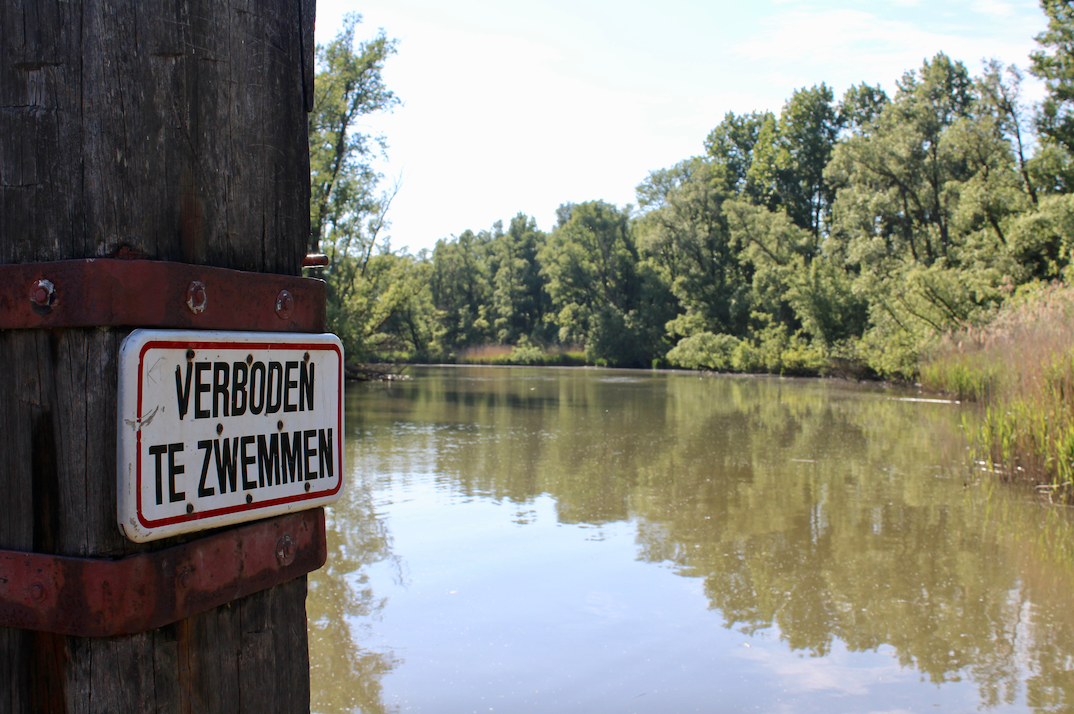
(38, 592)
(182, 579)
(285, 304)
(42, 293)
(249, 498)
(196, 297)
(285, 550)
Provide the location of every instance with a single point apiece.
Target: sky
(511, 107)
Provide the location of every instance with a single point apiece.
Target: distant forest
(839, 235)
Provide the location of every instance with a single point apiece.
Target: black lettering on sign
(159, 451)
(268, 459)
(221, 373)
(174, 470)
(274, 397)
(324, 453)
(246, 459)
(182, 393)
(238, 388)
(226, 463)
(288, 385)
(257, 387)
(203, 490)
(305, 387)
(200, 388)
(309, 452)
(292, 452)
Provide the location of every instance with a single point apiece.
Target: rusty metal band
(109, 292)
(90, 597)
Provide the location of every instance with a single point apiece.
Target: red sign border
(260, 505)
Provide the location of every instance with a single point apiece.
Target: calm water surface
(541, 540)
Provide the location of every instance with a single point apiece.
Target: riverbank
(1020, 369)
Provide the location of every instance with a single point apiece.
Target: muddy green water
(524, 540)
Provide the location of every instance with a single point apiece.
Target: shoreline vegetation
(1019, 369)
(926, 236)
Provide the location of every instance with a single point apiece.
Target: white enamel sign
(225, 427)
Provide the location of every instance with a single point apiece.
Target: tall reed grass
(523, 353)
(1020, 368)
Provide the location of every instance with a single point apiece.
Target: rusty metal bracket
(90, 597)
(110, 292)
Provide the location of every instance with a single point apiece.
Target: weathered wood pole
(171, 130)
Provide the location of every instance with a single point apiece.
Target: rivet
(190, 354)
(249, 359)
(219, 428)
(307, 487)
(279, 425)
(285, 304)
(190, 508)
(38, 592)
(197, 297)
(285, 550)
(249, 498)
(42, 292)
(182, 579)
(306, 357)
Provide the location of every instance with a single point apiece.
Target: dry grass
(1020, 368)
(532, 355)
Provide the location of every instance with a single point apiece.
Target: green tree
(518, 298)
(461, 290)
(731, 144)
(926, 194)
(790, 155)
(344, 186)
(1054, 63)
(600, 294)
(683, 234)
(860, 106)
(370, 287)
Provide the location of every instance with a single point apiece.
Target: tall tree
(731, 144)
(370, 287)
(461, 289)
(344, 196)
(601, 296)
(519, 301)
(790, 154)
(684, 235)
(1054, 63)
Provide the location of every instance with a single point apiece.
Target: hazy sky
(511, 107)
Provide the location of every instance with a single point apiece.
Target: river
(585, 540)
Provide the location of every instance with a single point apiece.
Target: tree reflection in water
(833, 514)
(345, 677)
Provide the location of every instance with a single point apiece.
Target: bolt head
(42, 293)
(38, 592)
(285, 550)
(285, 304)
(197, 298)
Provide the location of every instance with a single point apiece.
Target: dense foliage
(837, 235)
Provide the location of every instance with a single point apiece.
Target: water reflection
(346, 676)
(834, 519)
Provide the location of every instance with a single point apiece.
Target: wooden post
(163, 129)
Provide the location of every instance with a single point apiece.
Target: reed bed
(1020, 368)
(524, 353)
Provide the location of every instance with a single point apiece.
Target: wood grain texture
(172, 130)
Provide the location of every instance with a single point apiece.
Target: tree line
(839, 234)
